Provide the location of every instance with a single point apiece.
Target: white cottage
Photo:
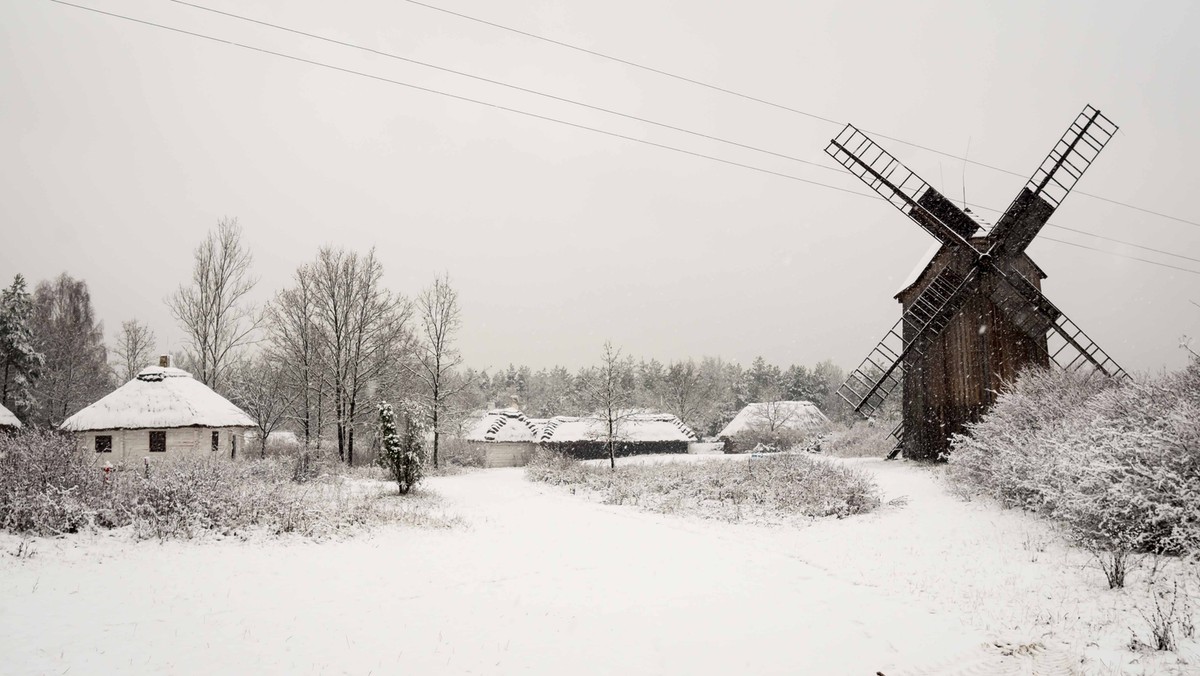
(162, 412)
(7, 419)
(504, 436)
(794, 418)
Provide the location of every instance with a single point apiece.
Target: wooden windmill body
(975, 316)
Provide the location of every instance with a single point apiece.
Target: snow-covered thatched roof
(159, 397)
(634, 427)
(503, 424)
(7, 419)
(801, 416)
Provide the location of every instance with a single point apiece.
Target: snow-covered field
(541, 581)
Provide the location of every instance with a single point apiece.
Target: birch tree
(134, 349)
(213, 311)
(439, 315)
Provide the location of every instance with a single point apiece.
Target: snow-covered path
(541, 582)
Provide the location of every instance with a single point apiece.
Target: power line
(503, 84)
(773, 104)
(535, 92)
(1090, 234)
(1113, 253)
(541, 117)
(430, 90)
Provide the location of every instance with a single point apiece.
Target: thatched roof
(7, 419)
(503, 424)
(800, 416)
(635, 427)
(159, 397)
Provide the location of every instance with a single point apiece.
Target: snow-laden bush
(771, 487)
(1118, 463)
(862, 439)
(47, 488)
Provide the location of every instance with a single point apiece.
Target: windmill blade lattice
(879, 374)
(900, 186)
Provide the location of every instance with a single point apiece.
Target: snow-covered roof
(634, 427)
(503, 424)
(788, 415)
(7, 419)
(159, 397)
(919, 268)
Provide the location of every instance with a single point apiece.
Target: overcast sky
(122, 144)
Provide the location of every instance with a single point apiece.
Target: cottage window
(216, 441)
(233, 445)
(104, 443)
(158, 442)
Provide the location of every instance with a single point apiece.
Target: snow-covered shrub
(863, 439)
(1118, 463)
(772, 487)
(779, 439)
(401, 448)
(48, 488)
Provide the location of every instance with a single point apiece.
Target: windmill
(975, 315)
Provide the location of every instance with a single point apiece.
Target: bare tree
(608, 390)
(134, 349)
(436, 359)
(294, 342)
(687, 392)
(65, 330)
(213, 310)
(258, 386)
(362, 328)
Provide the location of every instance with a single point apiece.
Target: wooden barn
(980, 350)
(163, 412)
(8, 421)
(504, 437)
(637, 434)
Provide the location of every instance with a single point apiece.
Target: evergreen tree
(401, 448)
(20, 362)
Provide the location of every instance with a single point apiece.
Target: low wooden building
(585, 437)
(8, 421)
(504, 437)
(163, 412)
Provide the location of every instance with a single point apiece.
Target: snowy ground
(544, 582)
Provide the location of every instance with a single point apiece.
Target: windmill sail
(1053, 180)
(901, 187)
(879, 374)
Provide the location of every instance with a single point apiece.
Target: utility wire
(430, 90)
(542, 117)
(1089, 234)
(1113, 253)
(505, 84)
(535, 92)
(773, 104)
